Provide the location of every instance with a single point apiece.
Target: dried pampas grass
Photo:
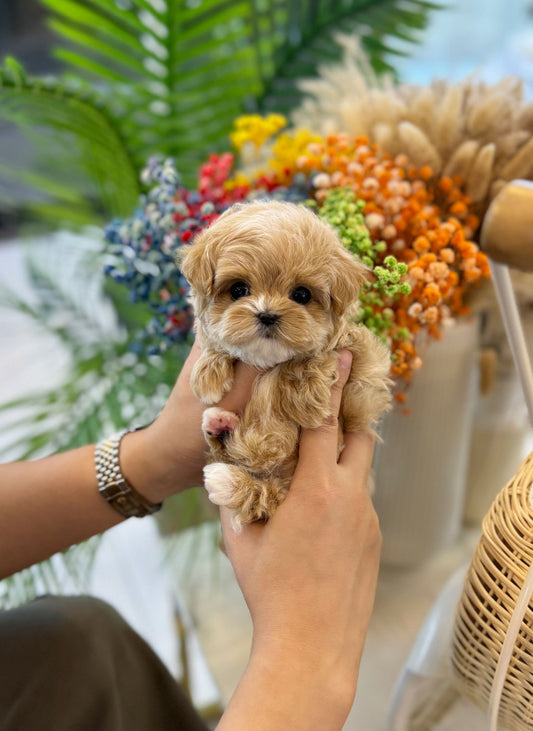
(478, 131)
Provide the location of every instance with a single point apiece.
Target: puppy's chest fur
(253, 456)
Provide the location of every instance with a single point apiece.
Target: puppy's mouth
(268, 333)
(261, 342)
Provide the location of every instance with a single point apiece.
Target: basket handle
(517, 617)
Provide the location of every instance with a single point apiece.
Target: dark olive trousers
(73, 664)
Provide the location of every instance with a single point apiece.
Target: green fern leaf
(376, 22)
(89, 130)
(178, 73)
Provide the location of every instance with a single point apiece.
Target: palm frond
(169, 78)
(105, 386)
(177, 74)
(379, 24)
(67, 572)
(85, 127)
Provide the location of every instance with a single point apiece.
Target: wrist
(113, 486)
(146, 468)
(320, 693)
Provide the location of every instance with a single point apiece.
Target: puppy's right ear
(196, 265)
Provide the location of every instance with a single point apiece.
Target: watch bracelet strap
(111, 482)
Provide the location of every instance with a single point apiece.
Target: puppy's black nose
(267, 318)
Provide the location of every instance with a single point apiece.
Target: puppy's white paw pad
(218, 483)
(217, 422)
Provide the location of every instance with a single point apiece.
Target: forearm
(52, 503)
(285, 692)
(48, 505)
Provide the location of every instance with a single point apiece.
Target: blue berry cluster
(141, 252)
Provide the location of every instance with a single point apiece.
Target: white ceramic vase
(501, 439)
(420, 469)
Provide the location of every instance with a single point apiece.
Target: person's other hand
(309, 574)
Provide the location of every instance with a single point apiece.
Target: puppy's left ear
(196, 265)
(348, 278)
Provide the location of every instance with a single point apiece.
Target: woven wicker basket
(492, 587)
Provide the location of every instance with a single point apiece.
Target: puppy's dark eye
(238, 290)
(301, 295)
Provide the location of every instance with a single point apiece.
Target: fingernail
(345, 360)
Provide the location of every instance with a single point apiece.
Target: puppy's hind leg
(248, 497)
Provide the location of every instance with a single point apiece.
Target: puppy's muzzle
(268, 318)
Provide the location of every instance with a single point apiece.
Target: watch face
(115, 488)
(121, 496)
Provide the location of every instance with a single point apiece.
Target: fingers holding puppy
(239, 395)
(320, 446)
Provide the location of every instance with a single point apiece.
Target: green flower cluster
(343, 211)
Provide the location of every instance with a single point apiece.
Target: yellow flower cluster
(287, 150)
(237, 181)
(256, 129)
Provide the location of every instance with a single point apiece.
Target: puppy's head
(270, 281)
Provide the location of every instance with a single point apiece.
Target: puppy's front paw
(217, 423)
(212, 377)
(218, 481)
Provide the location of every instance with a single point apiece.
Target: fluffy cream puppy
(273, 286)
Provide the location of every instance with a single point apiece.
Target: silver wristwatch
(111, 482)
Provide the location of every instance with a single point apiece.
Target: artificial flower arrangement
(412, 228)
(480, 132)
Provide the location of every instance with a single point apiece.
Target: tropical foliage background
(144, 77)
(170, 76)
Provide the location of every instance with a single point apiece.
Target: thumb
(318, 446)
(243, 382)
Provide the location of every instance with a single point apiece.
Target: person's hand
(168, 456)
(309, 575)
